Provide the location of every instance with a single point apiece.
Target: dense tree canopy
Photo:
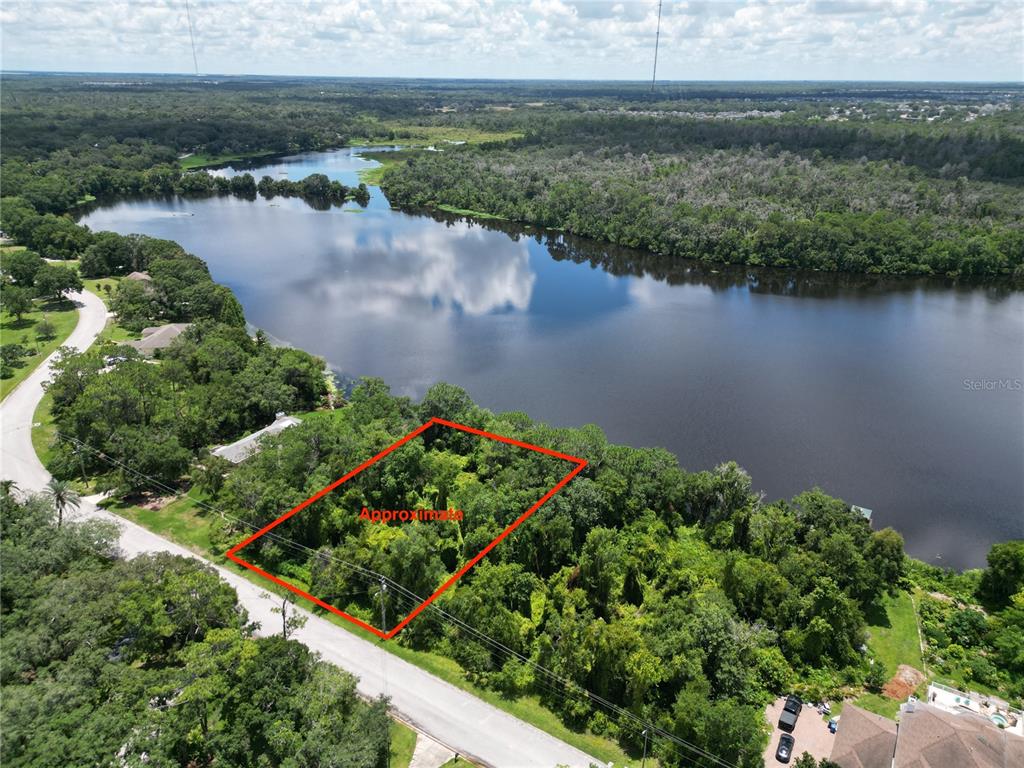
(152, 662)
(212, 384)
(650, 586)
(737, 205)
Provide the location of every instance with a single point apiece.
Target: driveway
(452, 716)
(811, 734)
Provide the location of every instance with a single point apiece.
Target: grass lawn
(182, 523)
(414, 138)
(458, 762)
(69, 263)
(43, 429)
(467, 212)
(892, 634)
(408, 135)
(403, 742)
(64, 317)
(386, 160)
(878, 704)
(202, 161)
(99, 287)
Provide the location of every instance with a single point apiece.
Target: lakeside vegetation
(682, 597)
(197, 161)
(780, 196)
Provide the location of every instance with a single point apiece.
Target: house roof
(138, 276)
(863, 739)
(158, 337)
(930, 737)
(243, 448)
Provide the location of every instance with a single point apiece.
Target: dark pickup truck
(790, 713)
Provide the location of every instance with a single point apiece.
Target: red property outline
(231, 553)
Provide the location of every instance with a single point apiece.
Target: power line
(191, 37)
(551, 678)
(657, 39)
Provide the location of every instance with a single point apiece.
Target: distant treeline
(756, 206)
(874, 178)
(949, 151)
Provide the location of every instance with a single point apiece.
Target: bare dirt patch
(903, 683)
(150, 501)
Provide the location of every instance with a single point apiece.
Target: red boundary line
(231, 553)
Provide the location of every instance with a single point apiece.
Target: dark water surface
(889, 394)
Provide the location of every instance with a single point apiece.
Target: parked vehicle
(790, 713)
(785, 750)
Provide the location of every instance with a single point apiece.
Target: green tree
(16, 300)
(877, 676)
(63, 497)
(21, 266)
(727, 729)
(108, 254)
(45, 330)
(886, 560)
(58, 237)
(209, 474)
(1004, 576)
(55, 282)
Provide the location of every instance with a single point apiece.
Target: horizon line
(250, 75)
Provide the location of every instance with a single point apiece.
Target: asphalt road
(456, 718)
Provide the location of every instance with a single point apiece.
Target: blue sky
(708, 40)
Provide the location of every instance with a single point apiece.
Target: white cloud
(709, 39)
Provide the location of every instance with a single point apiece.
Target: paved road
(452, 716)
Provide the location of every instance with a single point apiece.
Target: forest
(821, 198)
(153, 661)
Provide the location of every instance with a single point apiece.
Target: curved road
(456, 718)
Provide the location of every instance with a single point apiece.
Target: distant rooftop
(863, 511)
(158, 337)
(138, 276)
(242, 449)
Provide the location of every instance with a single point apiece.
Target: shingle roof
(864, 739)
(245, 447)
(137, 276)
(931, 737)
(158, 338)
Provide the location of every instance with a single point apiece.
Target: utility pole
(383, 614)
(643, 762)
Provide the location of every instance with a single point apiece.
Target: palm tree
(63, 496)
(8, 487)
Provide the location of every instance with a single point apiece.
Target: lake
(903, 396)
